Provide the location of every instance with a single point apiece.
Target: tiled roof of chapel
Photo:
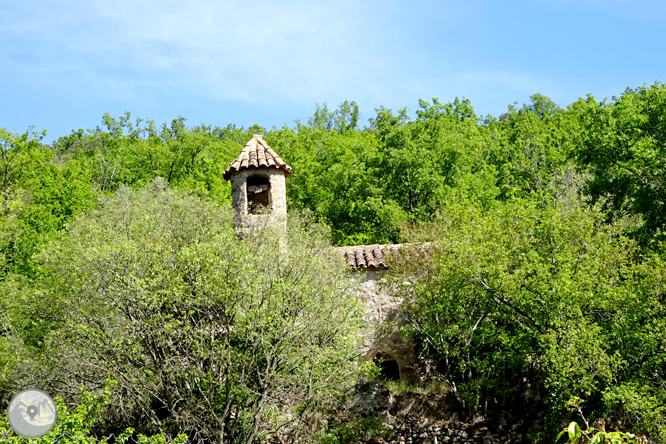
(255, 154)
(373, 257)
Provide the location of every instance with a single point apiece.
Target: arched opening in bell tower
(258, 195)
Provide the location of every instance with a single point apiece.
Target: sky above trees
(67, 63)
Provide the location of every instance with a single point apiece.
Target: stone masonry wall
(432, 418)
(381, 325)
(278, 214)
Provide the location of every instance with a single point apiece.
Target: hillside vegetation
(118, 262)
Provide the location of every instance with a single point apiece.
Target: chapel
(259, 199)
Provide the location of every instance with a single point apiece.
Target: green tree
(343, 119)
(625, 149)
(21, 159)
(38, 197)
(206, 334)
(333, 179)
(531, 151)
(553, 297)
(134, 153)
(438, 157)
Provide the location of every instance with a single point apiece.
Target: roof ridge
(372, 257)
(255, 154)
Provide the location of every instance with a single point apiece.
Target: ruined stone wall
(381, 323)
(434, 418)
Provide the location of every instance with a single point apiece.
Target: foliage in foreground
(355, 430)
(592, 435)
(205, 334)
(553, 298)
(625, 147)
(74, 426)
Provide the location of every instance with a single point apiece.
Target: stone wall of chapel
(278, 214)
(381, 323)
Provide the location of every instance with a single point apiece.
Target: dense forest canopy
(365, 181)
(550, 223)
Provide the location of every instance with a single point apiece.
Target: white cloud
(255, 51)
(234, 50)
(295, 53)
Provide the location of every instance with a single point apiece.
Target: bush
(73, 427)
(206, 334)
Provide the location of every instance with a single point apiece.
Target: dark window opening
(389, 368)
(258, 195)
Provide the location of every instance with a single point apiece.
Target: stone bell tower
(257, 178)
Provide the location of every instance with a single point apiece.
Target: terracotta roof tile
(372, 257)
(363, 256)
(255, 154)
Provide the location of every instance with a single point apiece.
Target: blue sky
(65, 63)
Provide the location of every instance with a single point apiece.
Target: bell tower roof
(256, 154)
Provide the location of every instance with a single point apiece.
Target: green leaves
(550, 296)
(198, 327)
(594, 436)
(625, 148)
(574, 432)
(74, 425)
